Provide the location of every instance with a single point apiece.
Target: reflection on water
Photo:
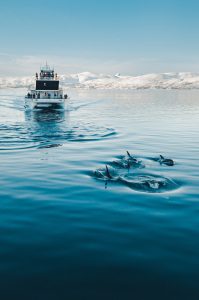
(42, 116)
(46, 127)
(58, 127)
(49, 128)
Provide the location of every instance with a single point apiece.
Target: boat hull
(44, 103)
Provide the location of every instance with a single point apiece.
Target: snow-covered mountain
(89, 80)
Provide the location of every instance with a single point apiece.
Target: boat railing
(47, 96)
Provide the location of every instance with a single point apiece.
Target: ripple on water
(127, 162)
(15, 137)
(148, 183)
(145, 182)
(48, 130)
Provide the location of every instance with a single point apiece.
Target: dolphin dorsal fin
(129, 155)
(162, 157)
(108, 173)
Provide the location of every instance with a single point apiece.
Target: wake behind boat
(47, 94)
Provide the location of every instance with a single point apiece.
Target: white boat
(47, 93)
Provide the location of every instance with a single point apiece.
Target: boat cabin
(47, 85)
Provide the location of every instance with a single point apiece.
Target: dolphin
(166, 161)
(132, 161)
(131, 157)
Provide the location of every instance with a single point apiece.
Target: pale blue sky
(108, 36)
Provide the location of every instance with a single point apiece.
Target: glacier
(88, 80)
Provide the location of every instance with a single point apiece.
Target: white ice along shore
(87, 80)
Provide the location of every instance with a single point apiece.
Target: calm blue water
(66, 234)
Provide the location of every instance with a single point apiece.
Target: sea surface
(70, 229)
